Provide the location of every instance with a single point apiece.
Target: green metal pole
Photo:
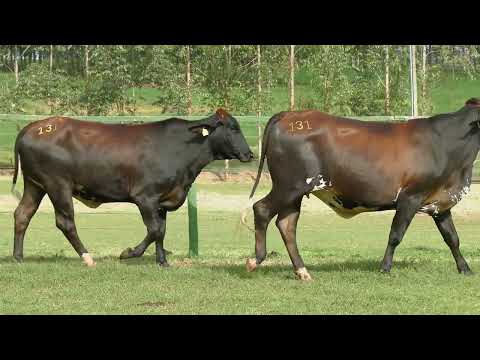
(192, 222)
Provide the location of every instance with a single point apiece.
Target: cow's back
(105, 158)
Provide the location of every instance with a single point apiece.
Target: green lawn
(451, 94)
(343, 257)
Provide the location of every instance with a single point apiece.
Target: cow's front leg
(155, 221)
(446, 227)
(160, 252)
(407, 206)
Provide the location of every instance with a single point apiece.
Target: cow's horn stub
(473, 102)
(222, 114)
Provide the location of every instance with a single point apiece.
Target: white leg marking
(303, 274)
(251, 265)
(87, 259)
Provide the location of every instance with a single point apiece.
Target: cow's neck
(201, 157)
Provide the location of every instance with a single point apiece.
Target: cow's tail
(266, 133)
(16, 193)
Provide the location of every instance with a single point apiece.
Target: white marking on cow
(303, 274)
(322, 183)
(205, 132)
(398, 193)
(456, 197)
(431, 209)
(87, 259)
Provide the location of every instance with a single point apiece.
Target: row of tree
(349, 80)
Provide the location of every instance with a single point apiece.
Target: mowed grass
(343, 257)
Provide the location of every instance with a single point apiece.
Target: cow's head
(225, 137)
(473, 113)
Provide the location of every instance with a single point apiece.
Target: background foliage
(152, 79)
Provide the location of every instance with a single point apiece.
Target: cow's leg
(159, 250)
(445, 225)
(155, 221)
(407, 206)
(264, 211)
(31, 199)
(61, 199)
(287, 224)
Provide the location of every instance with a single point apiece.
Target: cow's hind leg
(287, 224)
(407, 206)
(264, 211)
(445, 225)
(31, 199)
(61, 199)
(155, 220)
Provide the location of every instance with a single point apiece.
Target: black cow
(151, 165)
(422, 165)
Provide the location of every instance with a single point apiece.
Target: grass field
(343, 257)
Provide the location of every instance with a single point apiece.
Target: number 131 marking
(299, 125)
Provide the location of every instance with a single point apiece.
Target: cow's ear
(203, 130)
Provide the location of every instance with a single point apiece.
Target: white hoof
(251, 265)
(303, 274)
(88, 260)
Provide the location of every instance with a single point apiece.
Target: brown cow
(422, 165)
(151, 165)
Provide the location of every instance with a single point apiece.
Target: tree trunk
(229, 64)
(259, 107)
(259, 82)
(424, 78)
(16, 64)
(291, 83)
(86, 61)
(387, 81)
(189, 82)
(413, 80)
(51, 58)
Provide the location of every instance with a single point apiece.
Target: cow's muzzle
(246, 158)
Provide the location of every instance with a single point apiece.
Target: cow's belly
(344, 209)
(88, 202)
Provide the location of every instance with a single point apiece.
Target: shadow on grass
(235, 270)
(38, 259)
(365, 265)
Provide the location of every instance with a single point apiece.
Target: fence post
(192, 222)
(226, 169)
(259, 140)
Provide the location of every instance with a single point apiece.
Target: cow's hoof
(384, 271)
(303, 274)
(165, 264)
(466, 272)
(251, 265)
(88, 260)
(19, 259)
(126, 254)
